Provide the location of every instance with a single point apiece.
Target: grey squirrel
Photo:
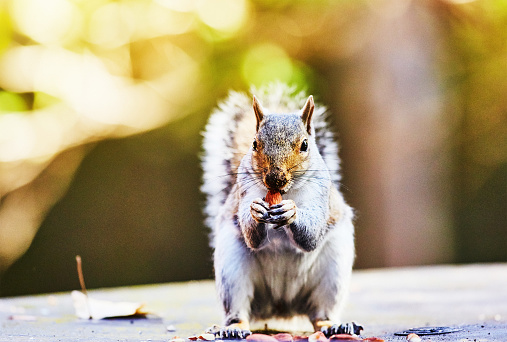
(289, 259)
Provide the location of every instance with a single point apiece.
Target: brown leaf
(87, 307)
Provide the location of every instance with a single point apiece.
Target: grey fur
(292, 259)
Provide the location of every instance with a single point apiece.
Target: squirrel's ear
(307, 112)
(259, 112)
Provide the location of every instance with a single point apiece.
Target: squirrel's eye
(254, 145)
(304, 146)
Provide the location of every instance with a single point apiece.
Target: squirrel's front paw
(259, 210)
(283, 213)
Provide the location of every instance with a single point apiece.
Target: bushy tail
(219, 173)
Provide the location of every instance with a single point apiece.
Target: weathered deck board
(383, 300)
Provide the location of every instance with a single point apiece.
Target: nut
(273, 197)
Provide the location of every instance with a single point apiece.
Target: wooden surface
(384, 301)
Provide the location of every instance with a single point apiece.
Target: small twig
(80, 275)
(82, 283)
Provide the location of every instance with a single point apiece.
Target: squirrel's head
(282, 144)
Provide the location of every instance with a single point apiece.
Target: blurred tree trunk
(394, 141)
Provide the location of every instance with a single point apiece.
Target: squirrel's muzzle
(275, 179)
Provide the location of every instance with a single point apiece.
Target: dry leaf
(87, 307)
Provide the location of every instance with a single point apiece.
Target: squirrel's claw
(280, 214)
(282, 207)
(284, 219)
(283, 213)
(259, 210)
(345, 328)
(233, 331)
(230, 333)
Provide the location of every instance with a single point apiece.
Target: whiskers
(255, 180)
(318, 176)
(317, 173)
(300, 177)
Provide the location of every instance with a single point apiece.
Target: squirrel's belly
(280, 243)
(282, 287)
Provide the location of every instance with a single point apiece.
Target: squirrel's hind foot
(234, 331)
(330, 329)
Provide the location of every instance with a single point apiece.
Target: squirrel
(289, 259)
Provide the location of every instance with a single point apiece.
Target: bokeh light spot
(178, 5)
(223, 15)
(265, 63)
(162, 21)
(48, 21)
(17, 138)
(107, 27)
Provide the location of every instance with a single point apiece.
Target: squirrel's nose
(275, 178)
